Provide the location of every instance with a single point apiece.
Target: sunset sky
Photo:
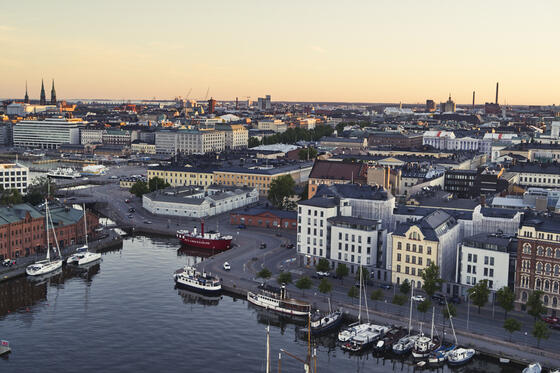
(357, 51)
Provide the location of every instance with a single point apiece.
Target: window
(398, 257)
(406, 270)
(407, 247)
(420, 249)
(468, 268)
(399, 245)
(420, 260)
(470, 258)
(491, 260)
(474, 258)
(485, 271)
(407, 259)
(491, 272)
(398, 267)
(429, 250)
(485, 260)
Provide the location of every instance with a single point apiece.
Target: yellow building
(432, 239)
(182, 176)
(143, 148)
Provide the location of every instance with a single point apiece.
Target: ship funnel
(283, 293)
(202, 227)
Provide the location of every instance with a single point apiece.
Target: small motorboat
(440, 355)
(323, 323)
(389, 339)
(533, 368)
(5, 347)
(460, 356)
(404, 345)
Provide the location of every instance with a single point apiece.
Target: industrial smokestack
(497, 89)
(473, 95)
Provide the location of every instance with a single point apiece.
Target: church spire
(53, 94)
(43, 99)
(26, 99)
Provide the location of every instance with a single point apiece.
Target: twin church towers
(43, 99)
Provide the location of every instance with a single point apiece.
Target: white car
(418, 298)
(227, 267)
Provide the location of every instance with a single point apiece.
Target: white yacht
(64, 173)
(366, 338)
(47, 265)
(83, 256)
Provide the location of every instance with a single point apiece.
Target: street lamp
(469, 307)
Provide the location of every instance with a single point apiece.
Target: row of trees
(293, 135)
(140, 188)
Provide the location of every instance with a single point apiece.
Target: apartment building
(236, 136)
(182, 176)
(335, 172)
(14, 176)
(189, 141)
(538, 261)
(46, 134)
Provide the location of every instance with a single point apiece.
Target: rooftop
(354, 191)
(488, 241)
(337, 170)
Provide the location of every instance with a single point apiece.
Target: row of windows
(412, 259)
(410, 270)
(414, 248)
(539, 180)
(352, 248)
(545, 299)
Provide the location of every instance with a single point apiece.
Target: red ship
(204, 240)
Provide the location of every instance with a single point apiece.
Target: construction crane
(207, 91)
(188, 94)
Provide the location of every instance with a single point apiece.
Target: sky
(304, 50)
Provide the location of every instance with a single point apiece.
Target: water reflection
(190, 297)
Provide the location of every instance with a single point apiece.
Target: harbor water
(125, 314)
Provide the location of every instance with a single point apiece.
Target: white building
(236, 136)
(190, 141)
(313, 225)
(14, 176)
(275, 125)
(47, 134)
(91, 136)
(198, 202)
(484, 257)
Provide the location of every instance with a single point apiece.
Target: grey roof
(432, 226)
(354, 191)
(549, 223)
(342, 139)
(16, 213)
(267, 171)
(319, 202)
(353, 220)
(494, 212)
(426, 210)
(488, 241)
(537, 168)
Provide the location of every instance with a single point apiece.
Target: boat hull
(323, 329)
(207, 290)
(204, 243)
(87, 259)
(43, 268)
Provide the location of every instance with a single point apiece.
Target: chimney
(497, 89)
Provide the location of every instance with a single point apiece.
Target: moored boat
(323, 323)
(440, 355)
(533, 368)
(83, 256)
(4, 347)
(64, 173)
(48, 265)
(365, 338)
(203, 282)
(278, 301)
(460, 356)
(404, 345)
(205, 240)
(389, 339)
(425, 345)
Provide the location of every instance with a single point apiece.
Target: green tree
(139, 188)
(431, 280)
(365, 274)
(41, 188)
(325, 286)
(540, 331)
(505, 298)
(353, 292)
(342, 271)
(308, 153)
(304, 283)
(423, 307)
(281, 190)
(264, 273)
(323, 265)
(399, 299)
(340, 128)
(535, 306)
(10, 197)
(405, 287)
(512, 325)
(284, 278)
(253, 142)
(157, 183)
(479, 294)
(376, 295)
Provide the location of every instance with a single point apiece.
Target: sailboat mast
(432, 332)
(410, 316)
(85, 223)
(365, 296)
(360, 301)
(47, 229)
(451, 321)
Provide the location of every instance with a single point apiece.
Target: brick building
(265, 218)
(335, 172)
(538, 261)
(22, 229)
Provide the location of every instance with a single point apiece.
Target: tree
(284, 278)
(535, 306)
(505, 298)
(423, 307)
(157, 183)
(41, 188)
(540, 331)
(364, 272)
(264, 273)
(307, 153)
(431, 280)
(353, 292)
(341, 271)
(405, 287)
(325, 286)
(304, 283)
(376, 295)
(340, 128)
(512, 325)
(253, 141)
(399, 300)
(139, 188)
(479, 293)
(10, 197)
(281, 189)
(323, 265)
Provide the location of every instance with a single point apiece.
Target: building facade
(14, 176)
(189, 141)
(46, 134)
(182, 176)
(261, 218)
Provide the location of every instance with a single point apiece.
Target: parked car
(241, 226)
(455, 300)
(132, 209)
(263, 245)
(227, 267)
(320, 274)
(550, 319)
(290, 246)
(386, 286)
(554, 326)
(418, 298)
(8, 262)
(147, 222)
(127, 201)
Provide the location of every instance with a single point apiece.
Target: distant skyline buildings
(341, 56)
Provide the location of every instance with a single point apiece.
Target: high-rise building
(448, 107)
(43, 99)
(264, 103)
(430, 106)
(211, 106)
(53, 94)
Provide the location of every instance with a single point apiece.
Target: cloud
(318, 49)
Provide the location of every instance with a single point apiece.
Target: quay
(109, 239)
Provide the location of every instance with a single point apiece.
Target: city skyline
(312, 52)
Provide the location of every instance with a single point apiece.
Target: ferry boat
(63, 173)
(190, 278)
(271, 299)
(205, 240)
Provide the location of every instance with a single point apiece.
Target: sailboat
(322, 323)
(406, 343)
(441, 354)
(425, 345)
(42, 267)
(459, 356)
(368, 333)
(83, 256)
